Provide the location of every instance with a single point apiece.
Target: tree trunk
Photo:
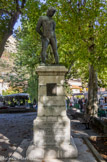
(92, 108)
(9, 31)
(3, 42)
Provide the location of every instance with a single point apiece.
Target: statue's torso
(48, 26)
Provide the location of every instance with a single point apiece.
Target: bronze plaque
(51, 89)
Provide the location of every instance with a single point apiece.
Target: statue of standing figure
(46, 28)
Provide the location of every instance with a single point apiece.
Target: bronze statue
(46, 28)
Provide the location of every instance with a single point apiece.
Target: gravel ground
(13, 129)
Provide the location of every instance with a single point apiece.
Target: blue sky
(18, 23)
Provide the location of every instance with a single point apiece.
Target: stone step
(52, 152)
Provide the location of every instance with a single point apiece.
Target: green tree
(23, 76)
(28, 55)
(80, 31)
(82, 24)
(9, 13)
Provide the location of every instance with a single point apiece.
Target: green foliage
(81, 34)
(5, 15)
(23, 77)
(81, 38)
(27, 57)
(33, 87)
(67, 89)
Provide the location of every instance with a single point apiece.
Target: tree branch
(84, 3)
(11, 23)
(17, 5)
(72, 63)
(5, 11)
(81, 5)
(70, 2)
(9, 32)
(23, 3)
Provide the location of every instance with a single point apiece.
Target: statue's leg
(45, 43)
(54, 48)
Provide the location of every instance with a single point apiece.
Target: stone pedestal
(52, 138)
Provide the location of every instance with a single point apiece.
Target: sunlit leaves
(81, 31)
(80, 27)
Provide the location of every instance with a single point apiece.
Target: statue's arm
(38, 27)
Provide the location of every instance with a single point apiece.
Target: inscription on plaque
(51, 89)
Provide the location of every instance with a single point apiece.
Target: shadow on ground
(13, 129)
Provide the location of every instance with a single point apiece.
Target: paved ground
(79, 130)
(14, 128)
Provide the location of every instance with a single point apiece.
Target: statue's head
(51, 11)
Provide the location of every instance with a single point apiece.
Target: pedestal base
(52, 152)
(52, 139)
